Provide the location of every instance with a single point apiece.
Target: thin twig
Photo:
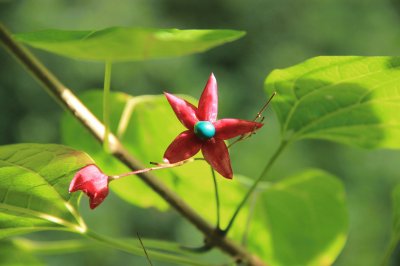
(144, 249)
(106, 104)
(216, 199)
(258, 117)
(158, 167)
(70, 102)
(259, 114)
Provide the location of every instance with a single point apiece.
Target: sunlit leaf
(127, 44)
(351, 100)
(34, 181)
(301, 220)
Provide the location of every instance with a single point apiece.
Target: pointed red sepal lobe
(93, 182)
(208, 103)
(184, 146)
(184, 111)
(216, 154)
(229, 128)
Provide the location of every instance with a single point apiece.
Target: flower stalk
(106, 105)
(159, 166)
(217, 204)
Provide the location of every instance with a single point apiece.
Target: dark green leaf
(352, 100)
(127, 44)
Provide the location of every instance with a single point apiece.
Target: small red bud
(93, 182)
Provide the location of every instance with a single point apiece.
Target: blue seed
(204, 130)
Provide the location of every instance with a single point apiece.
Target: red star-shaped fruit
(204, 132)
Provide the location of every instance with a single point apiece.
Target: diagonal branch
(70, 102)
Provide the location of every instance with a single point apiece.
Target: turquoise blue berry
(204, 130)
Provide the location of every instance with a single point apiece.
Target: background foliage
(279, 34)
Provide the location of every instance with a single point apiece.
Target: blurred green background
(280, 33)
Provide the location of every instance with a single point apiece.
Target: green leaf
(13, 255)
(127, 44)
(351, 100)
(34, 181)
(301, 220)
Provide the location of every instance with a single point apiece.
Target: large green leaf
(301, 220)
(34, 181)
(127, 44)
(352, 100)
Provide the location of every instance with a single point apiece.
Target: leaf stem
(255, 184)
(217, 204)
(53, 247)
(159, 166)
(106, 105)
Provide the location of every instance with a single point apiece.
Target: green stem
(106, 105)
(216, 199)
(389, 251)
(135, 250)
(255, 184)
